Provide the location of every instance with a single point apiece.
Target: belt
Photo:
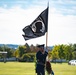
(41, 63)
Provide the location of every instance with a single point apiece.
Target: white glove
(46, 50)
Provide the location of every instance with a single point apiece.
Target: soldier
(41, 59)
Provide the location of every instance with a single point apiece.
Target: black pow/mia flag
(38, 27)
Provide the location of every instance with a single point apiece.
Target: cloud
(64, 7)
(13, 20)
(62, 27)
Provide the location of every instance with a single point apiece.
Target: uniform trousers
(40, 69)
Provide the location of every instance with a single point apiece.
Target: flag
(38, 27)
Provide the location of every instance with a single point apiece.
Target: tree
(74, 46)
(74, 54)
(16, 53)
(20, 51)
(27, 47)
(61, 51)
(55, 52)
(74, 51)
(1, 50)
(68, 52)
(50, 54)
(25, 57)
(8, 50)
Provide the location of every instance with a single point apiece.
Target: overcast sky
(16, 14)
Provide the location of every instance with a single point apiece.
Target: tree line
(27, 53)
(67, 52)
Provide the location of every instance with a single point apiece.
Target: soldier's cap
(40, 46)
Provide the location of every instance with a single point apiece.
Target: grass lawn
(18, 68)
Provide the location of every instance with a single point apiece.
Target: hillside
(14, 46)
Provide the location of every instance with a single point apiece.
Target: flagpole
(46, 39)
(47, 32)
(47, 28)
